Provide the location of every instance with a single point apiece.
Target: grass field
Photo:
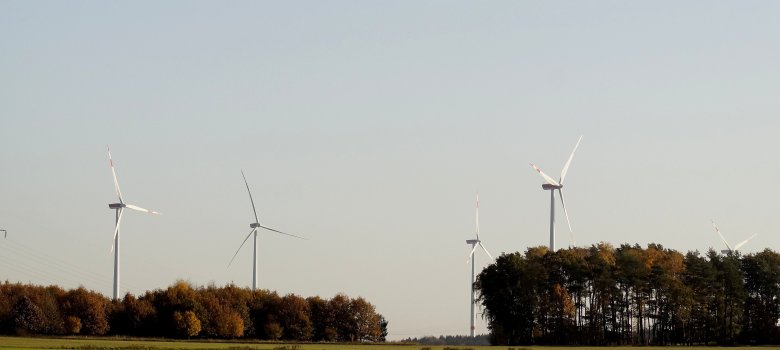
(140, 344)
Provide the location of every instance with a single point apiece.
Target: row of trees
(631, 296)
(477, 340)
(183, 311)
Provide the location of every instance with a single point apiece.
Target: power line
(50, 263)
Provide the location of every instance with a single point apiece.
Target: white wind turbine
(553, 185)
(5, 232)
(255, 225)
(730, 249)
(474, 243)
(119, 209)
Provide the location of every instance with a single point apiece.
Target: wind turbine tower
(552, 186)
(255, 226)
(474, 243)
(119, 209)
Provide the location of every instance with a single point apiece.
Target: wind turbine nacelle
(116, 205)
(725, 252)
(472, 241)
(254, 225)
(550, 187)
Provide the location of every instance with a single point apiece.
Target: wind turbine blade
(721, 236)
(560, 193)
(113, 172)
(486, 251)
(250, 196)
(137, 208)
(547, 178)
(568, 162)
(471, 255)
(736, 246)
(477, 216)
(284, 233)
(242, 244)
(116, 229)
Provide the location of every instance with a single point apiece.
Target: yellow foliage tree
(72, 325)
(187, 324)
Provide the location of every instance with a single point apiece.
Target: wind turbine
(119, 209)
(4, 231)
(474, 243)
(730, 250)
(255, 225)
(553, 185)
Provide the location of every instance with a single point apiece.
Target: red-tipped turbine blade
(547, 178)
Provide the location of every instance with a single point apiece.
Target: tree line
(184, 311)
(477, 340)
(631, 295)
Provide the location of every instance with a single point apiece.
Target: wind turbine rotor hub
(551, 187)
(116, 205)
(254, 225)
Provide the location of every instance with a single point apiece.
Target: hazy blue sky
(369, 127)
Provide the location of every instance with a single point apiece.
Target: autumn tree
(72, 325)
(182, 310)
(180, 297)
(670, 298)
(89, 307)
(322, 320)
(264, 313)
(46, 298)
(367, 323)
(28, 317)
(236, 302)
(134, 316)
(294, 318)
(342, 318)
(218, 310)
(186, 323)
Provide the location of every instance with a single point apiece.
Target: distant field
(137, 344)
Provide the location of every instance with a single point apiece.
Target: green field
(140, 344)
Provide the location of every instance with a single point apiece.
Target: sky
(369, 127)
